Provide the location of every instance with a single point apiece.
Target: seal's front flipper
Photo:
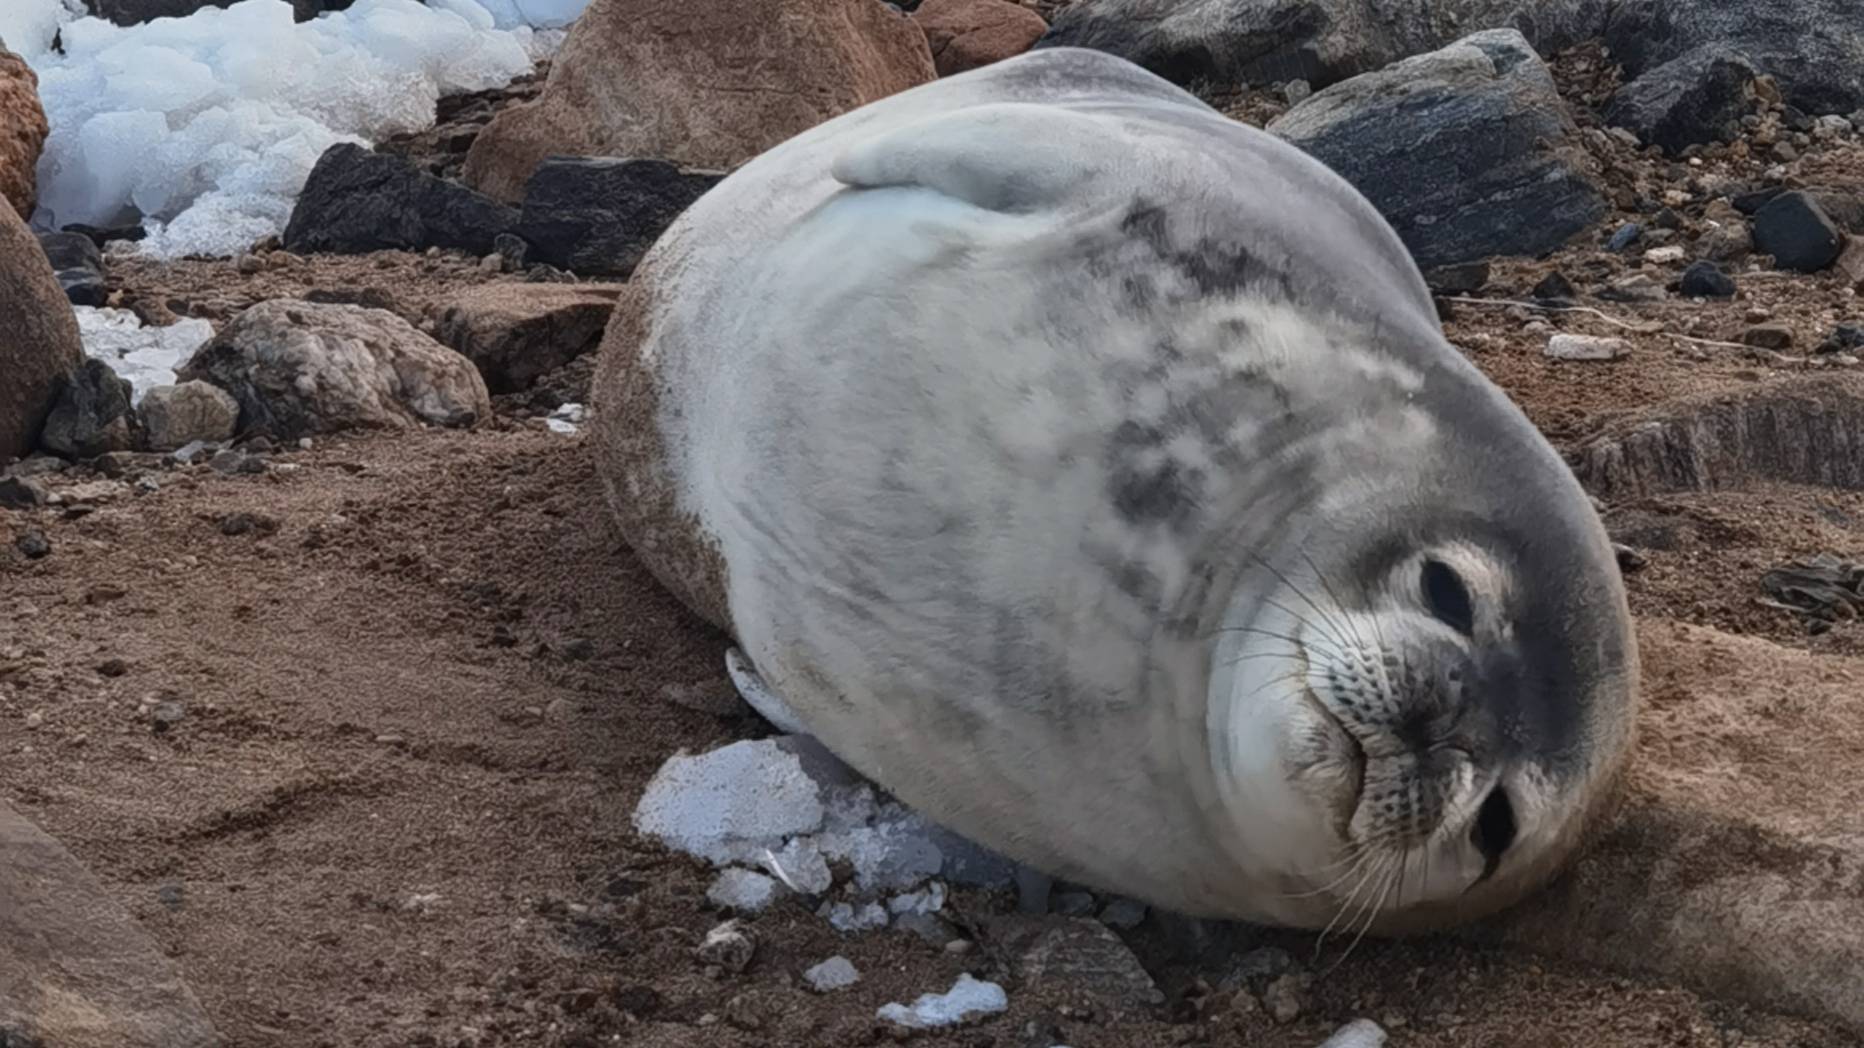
(768, 704)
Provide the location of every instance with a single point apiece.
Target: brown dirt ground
(417, 714)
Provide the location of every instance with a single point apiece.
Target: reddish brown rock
(22, 132)
(516, 333)
(699, 83)
(75, 970)
(966, 34)
(41, 347)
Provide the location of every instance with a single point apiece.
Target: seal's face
(1443, 730)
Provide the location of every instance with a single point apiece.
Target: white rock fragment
(1123, 913)
(836, 973)
(927, 900)
(847, 917)
(567, 419)
(1360, 1033)
(800, 866)
(1666, 255)
(744, 890)
(731, 804)
(1586, 347)
(967, 999)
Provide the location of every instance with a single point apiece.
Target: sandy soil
(358, 739)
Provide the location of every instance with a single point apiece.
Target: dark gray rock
(1796, 230)
(1503, 174)
(132, 12)
(1845, 338)
(92, 415)
(1695, 99)
(79, 266)
(102, 236)
(1705, 279)
(356, 201)
(599, 215)
(1464, 279)
(21, 493)
(1624, 236)
(33, 544)
(1320, 41)
(1813, 48)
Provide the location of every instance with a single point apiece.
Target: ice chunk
(848, 917)
(742, 889)
(146, 356)
(28, 26)
(836, 973)
(800, 866)
(543, 14)
(927, 900)
(205, 127)
(732, 803)
(1360, 1033)
(967, 999)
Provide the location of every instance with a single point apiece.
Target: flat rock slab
(75, 970)
(1736, 866)
(1077, 953)
(1806, 430)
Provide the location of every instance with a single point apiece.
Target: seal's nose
(1493, 829)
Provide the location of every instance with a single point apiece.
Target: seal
(1091, 471)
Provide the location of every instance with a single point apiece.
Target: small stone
(745, 890)
(1461, 279)
(165, 716)
(171, 896)
(231, 461)
(1629, 560)
(744, 1012)
(1784, 152)
(21, 493)
(113, 667)
(493, 263)
(1849, 267)
(1555, 288)
(1637, 287)
(1844, 339)
(1796, 230)
(1123, 913)
(35, 720)
(250, 264)
(836, 973)
(1072, 904)
(1297, 91)
(33, 544)
(1624, 236)
(247, 523)
(1664, 256)
(513, 249)
(181, 415)
(1705, 279)
(1768, 336)
(1284, 998)
(1586, 347)
(927, 900)
(1360, 1033)
(846, 917)
(728, 946)
(969, 998)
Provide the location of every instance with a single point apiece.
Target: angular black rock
(599, 215)
(357, 201)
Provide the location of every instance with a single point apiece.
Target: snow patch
(967, 999)
(205, 127)
(146, 356)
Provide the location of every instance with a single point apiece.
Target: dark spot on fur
(1165, 495)
(1215, 267)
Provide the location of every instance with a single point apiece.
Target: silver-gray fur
(1085, 467)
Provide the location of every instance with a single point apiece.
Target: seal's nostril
(1494, 829)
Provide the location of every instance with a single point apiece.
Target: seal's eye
(1447, 597)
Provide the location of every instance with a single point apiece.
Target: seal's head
(1421, 709)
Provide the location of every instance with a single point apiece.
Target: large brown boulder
(39, 346)
(966, 34)
(703, 83)
(75, 969)
(22, 132)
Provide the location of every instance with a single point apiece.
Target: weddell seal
(1090, 470)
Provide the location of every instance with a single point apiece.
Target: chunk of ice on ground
(28, 26)
(205, 127)
(146, 356)
(836, 973)
(741, 889)
(732, 803)
(927, 900)
(800, 865)
(967, 999)
(848, 917)
(1360, 1033)
(543, 14)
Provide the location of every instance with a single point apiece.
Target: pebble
(171, 896)
(1297, 91)
(1123, 913)
(1072, 904)
(1360, 1033)
(1663, 256)
(33, 544)
(1637, 287)
(847, 917)
(1555, 288)
(249, 264)
(1768, 336)
(968, 998)
(1586, 347)
(836, 973)
(34, 721)
(231, 461)
(166, 715)
(745, 890)
(1283, 998)
(1624, 236)
(493, 263)
(728, 946)
(1705, 279)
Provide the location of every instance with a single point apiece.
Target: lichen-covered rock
(176, 416)
(1317, 41)
(41, 348)
(22, 132)
(297, 369)
(701, 83)
(1503, 173)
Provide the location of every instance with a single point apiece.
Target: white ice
(205, 127)
(732, 803)
(744, 890)
(967, 999)
(146, 356)
(836, 973)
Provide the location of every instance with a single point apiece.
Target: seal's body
(1090, 470)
